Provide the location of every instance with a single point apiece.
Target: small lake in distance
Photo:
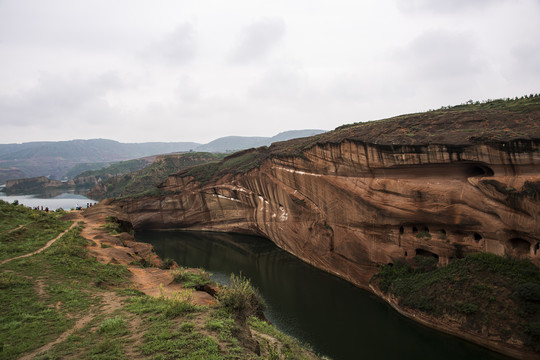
(66, 200)
(334, 317)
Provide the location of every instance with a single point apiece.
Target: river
(329, 314)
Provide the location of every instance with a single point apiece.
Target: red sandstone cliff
(436, 184)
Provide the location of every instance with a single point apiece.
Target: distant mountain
(95, 150)
(232, 143)
(235, 143)
(55, 159)
(66, 159)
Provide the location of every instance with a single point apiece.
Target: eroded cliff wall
(348, 207)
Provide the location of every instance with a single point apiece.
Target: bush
(115, 325)
(191, 278)
(528, 292)
(466, 308)
(242, 298)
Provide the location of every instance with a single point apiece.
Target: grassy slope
(118, 168)
(146, 180)
(23, 230)
(483, 291)
(487, 122)
(45, 295)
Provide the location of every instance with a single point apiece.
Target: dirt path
(49, 243)
(106, 248)
(153, 281)
(112, 303)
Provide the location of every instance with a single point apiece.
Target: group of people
(42, 209)
(79, 207)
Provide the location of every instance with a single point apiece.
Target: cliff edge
(442, 184)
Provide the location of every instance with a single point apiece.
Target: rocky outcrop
(350, 207)
(370, 194)
(39, 183)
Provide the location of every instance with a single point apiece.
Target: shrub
(423, 234)
(528, 292)
(191, 278)
(466, 308)
(114, 325)
(242, 298)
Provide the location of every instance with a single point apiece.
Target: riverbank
(86, 297)
(483, 298)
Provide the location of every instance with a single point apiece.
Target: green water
(332, 316)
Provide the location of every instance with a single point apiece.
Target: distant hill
(56, 159)
(67, 159)
(145, 179)
(235, 143)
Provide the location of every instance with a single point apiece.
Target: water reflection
(334, 317)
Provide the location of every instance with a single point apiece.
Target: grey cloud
(56, 101)
(258, 39)
(284, 85)
(524, 66)
(178, 47)
(439, 6)
(437, 55)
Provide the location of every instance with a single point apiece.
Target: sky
(183, 70)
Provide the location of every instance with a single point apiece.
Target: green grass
(192, 278)
(500, 294)
(238, 163)
(45, 295)
(144, 182)
(23, 230)
(241, 298)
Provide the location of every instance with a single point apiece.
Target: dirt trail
(106, 248)
(112, 303)
(49, 243)
(152, 281)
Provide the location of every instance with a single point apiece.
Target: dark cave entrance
(519, 246)
(479, 170)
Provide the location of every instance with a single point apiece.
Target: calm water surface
(332, 316)
(52, 200)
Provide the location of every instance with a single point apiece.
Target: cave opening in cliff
(414, 229)
(401, 229)
(520, 246)
(477, 237)
(426, 253)
(479, 170)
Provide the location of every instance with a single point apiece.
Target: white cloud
(57, 101)
(176, 48)
(445, 7)
(258, 39)
(437, 55)
(193, 71)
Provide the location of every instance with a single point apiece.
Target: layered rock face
(350, 206)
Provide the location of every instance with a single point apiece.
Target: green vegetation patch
(192, 278)
(490, 121)
(23, 230)
(484, 290)
(145, 181)
(65, 289)
(241, 298)
(44, 295)
(238, 163)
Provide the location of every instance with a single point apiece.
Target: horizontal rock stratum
(445, 183)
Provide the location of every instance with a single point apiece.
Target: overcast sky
(137, 71)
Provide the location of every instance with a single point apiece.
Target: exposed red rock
(371, 194)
